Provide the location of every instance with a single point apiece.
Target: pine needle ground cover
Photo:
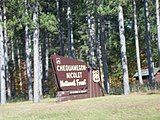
(132, 107)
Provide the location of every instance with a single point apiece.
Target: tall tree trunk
(71, 51)
(137, 43)
(46, 57)
(104, 54)
(45, 52)
(97, 40)
(19, 69)
(61, 40)
(91, 37)
(12, 69)
(158, 29)
(40, 71)
(148, 41)
(123, 51)
(45, 61)
(28, 56)
(6, 53)
(2, 62)
(12, 53)
(36, 54)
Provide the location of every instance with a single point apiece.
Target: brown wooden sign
(71, 74)
(74, 79)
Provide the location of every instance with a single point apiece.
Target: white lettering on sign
(77, 92)
(71, 67)
(75, 82)
(74, 75)
(67, 83)
(79, 83)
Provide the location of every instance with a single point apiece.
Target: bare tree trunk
(158, 28)
(137, 43)
(71, 51)
(91, 36)
(123, 52)
(61, 40)
(19, 69)
(13, 54)
(13, 88)
(104, 54)
(6, 53)
(28, 56)
(40, 71)
(36, 54)
(148, 41)
(2, 62)
(45, 61)
(47, 57)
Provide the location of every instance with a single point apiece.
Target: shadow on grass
(153, 93)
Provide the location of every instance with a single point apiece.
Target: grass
(132, 107)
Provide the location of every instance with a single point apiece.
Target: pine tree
(6, 52)
(123, 51)
(158, 28)
(2, 61)
(91, 35)
(148, 41)
(60, 31)
(71, 51)
(104, 54)
(40, 71)
(137, 43)
(36, 54)
(28, 55)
